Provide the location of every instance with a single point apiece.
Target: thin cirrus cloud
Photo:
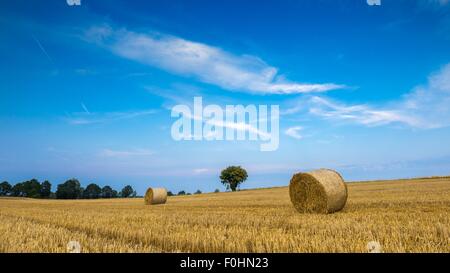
(204, 62)
(294, 132)
(425, 107)
(201, 171)
(361, 114)
(87, 117)
(125, 153)
(434, 2)
(238, 126)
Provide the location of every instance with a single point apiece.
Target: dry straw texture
(319, 191)
(155, 196)
(403, 216)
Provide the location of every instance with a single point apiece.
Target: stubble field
(403, 216)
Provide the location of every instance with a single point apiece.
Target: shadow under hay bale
(155, 196)
(318, 191)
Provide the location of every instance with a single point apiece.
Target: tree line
(231, 177)
(71, 189)
(169, 193)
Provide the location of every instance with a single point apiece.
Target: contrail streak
(43, 49)
(85, 108)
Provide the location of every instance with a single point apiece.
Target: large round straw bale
(318, 191)
(155, 196)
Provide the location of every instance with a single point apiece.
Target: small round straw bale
(318, 191)
(155, 196)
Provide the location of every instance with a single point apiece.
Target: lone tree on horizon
(233, 176)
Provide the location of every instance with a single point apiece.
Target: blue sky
(86, 90)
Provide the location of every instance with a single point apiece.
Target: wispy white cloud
(238, 126)
(435, 2)
(362, 114)
(125, 153)
(136, 74)
(425, 107)
(206, 63)
(201, 171)
(294, 132)
(442, 2)
(86, 117)
(85, 71)
(176, 94)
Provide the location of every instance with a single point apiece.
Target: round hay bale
(318, 191)
(155, 196)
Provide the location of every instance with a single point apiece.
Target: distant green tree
(107, 192)
(169, 193)
(127, 192)
(92, 191)
(46, 189)
(181, 193)
(30, 188)
(71, 189)
(217, 190)
(5, 188)
(18, 190)
(198, 192)
(114, 194)
(233, 176)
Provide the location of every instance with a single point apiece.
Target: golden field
(403, 216)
